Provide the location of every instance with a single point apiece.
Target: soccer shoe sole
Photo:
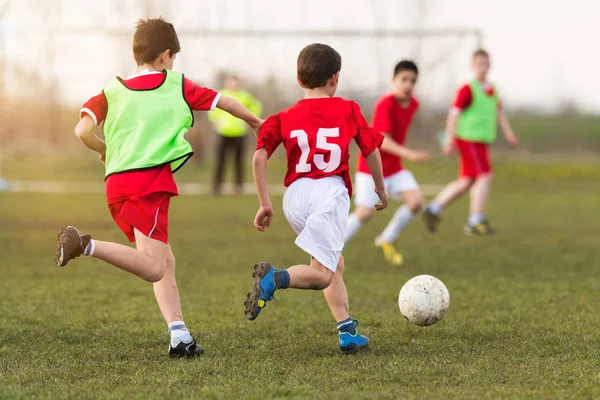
(469, 232)
(184, 350)
(352, 348)
(67, 234)
(251, 303)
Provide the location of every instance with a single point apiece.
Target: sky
(543, 52)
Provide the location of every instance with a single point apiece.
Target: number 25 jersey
(316, 134)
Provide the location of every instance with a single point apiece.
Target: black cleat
(481, 229)
(431, 220)
(188, 350)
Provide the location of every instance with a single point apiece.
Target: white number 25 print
(335, 158)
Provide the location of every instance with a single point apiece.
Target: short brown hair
(316, 64)
(481, 53)
(152, 37)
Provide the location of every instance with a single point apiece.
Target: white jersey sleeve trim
(215, 101)
(90, 113)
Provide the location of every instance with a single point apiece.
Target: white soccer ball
(424, 300)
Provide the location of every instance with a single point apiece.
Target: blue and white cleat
(352, 343)
(262, 289)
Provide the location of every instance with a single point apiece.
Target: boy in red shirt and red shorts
(145, 119)
(471, 128)
(316, 133)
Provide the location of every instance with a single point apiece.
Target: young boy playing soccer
(145, 119)
(316, 133)
(392, 117)
(471, 128)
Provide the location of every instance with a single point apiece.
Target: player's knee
(155, 271)
(364, 214)
(325, 279)
(466, 182)
(415, 203)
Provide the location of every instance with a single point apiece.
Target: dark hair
(481, 53)
(316, 64)
(406, 65)
(152, 37)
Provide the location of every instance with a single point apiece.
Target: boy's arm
(450, 131)
(85, 132)
(374, 163)
(259, 168)
(389, 145)
(509, 135)
(234, 108)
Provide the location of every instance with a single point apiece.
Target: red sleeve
(269, 136)
(463, 98)
(382, 116)
(96, 107)
(367, 138)
(199, 98)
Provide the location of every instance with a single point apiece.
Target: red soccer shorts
(148, 213)
(474, 158)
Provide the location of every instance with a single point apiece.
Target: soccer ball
(424, 300)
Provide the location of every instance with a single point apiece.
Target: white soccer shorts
(317, 210)
(364, 187)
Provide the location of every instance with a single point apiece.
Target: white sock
(434, 208)
(179, 333)
(399, 221)
(89, 249)
(352, 226)
(475, 219)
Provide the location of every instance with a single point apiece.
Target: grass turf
(522, 322)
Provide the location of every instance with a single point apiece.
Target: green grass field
(523, 319)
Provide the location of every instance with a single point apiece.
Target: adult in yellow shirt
(231, 134)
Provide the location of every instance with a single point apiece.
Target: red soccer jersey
(157, 179)
(316, 134)
(389, 117)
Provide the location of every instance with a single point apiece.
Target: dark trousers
(225, 146)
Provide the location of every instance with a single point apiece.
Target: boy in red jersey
(392, 117)
(471, 128)
(145, 120)
(316, 133)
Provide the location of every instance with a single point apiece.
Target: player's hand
(263, 217)
(448, 147)
(511, 139)
(418, 156)
(102, 157)
(383, 197)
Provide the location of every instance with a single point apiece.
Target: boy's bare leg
(166, 292)
(147, 261)
(336, 294)
(452, 191)
(358, 218)
(314, 276)
(479, 194)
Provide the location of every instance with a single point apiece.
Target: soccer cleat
(191, 349)
(262, 289)
(431, 220)
(481, 229)
(352, 343)
(390, 252)
(71, 244)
